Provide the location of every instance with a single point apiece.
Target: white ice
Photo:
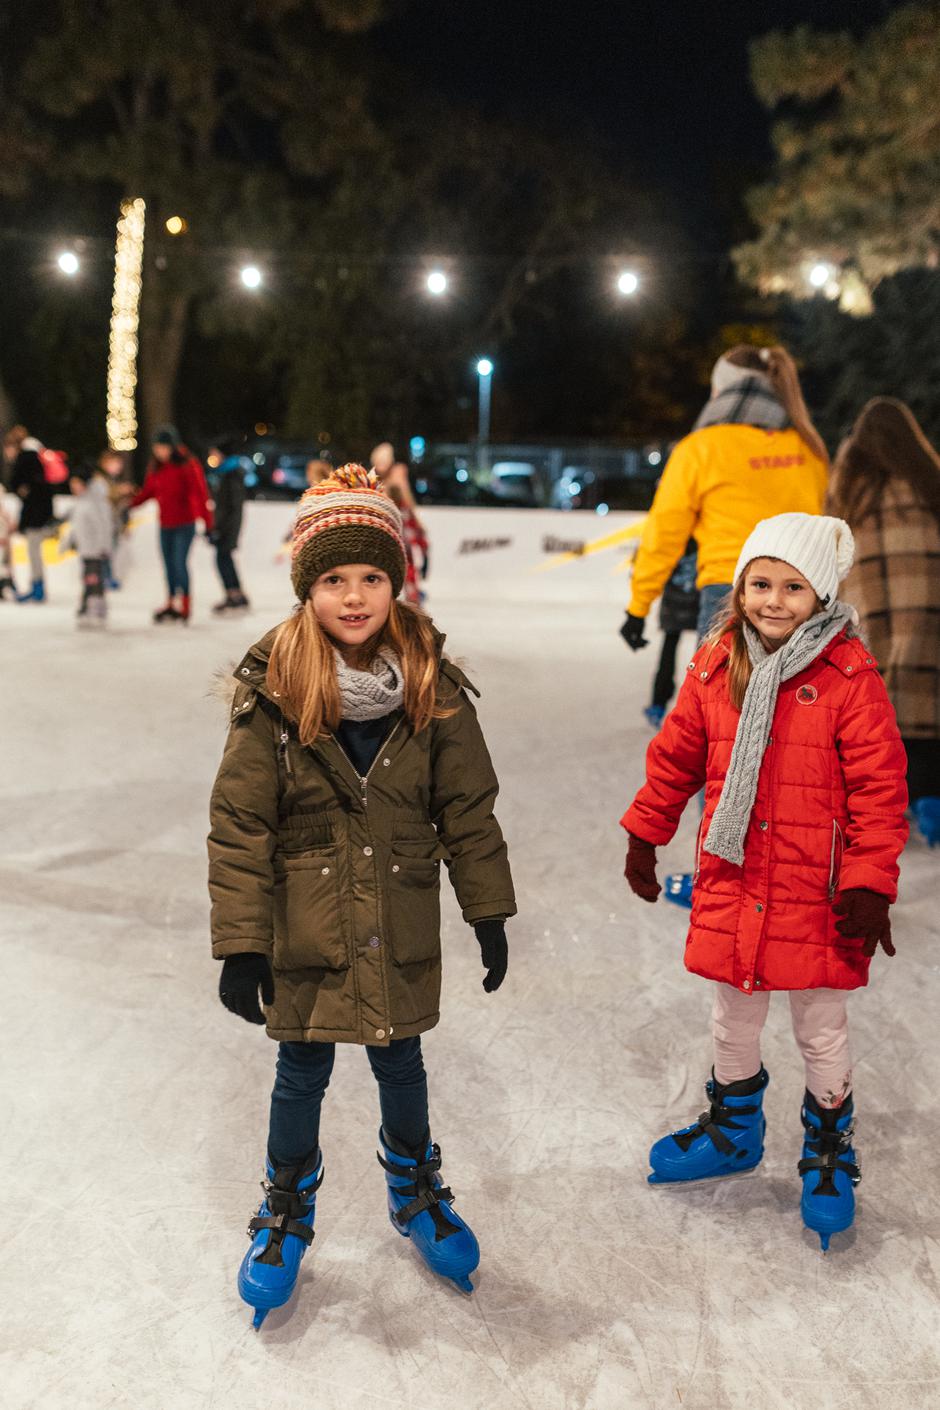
(135, 1106)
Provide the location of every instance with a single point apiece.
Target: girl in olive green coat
(354, 766)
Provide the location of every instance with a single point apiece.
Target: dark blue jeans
(175, 545)
(227, 570)
(710, 600)
(303, 1075)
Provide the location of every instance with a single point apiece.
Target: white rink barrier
(530, 554)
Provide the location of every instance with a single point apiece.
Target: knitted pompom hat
(346, 518)
(816, 545)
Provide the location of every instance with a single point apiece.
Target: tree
(857, 142)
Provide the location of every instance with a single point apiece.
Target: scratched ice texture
(134, 1107)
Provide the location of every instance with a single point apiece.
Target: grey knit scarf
(368, 695)
(730, 820)
(751, 401)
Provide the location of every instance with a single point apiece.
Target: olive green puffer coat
(337, 879)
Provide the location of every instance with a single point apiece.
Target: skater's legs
(923, 768)
(225, 564)
(93, 599)
(737, 1021)
(34, 538)
(664, 684)
(169, 564)
(403, 1091)
(303, 1075)
(184, 540)
(821, 1029)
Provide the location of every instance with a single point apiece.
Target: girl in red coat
(175, 479)
(785, 721)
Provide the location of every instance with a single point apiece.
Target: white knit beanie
(816, 545)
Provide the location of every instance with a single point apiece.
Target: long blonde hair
(302, 670)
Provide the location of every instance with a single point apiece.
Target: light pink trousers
(820, 1026)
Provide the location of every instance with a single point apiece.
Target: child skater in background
(354, 765)
(92, 536)
(786, 722)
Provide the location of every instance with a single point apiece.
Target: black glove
(494, 951)
(238, 985)
(632, 632)
(212, 536)
(426, 564)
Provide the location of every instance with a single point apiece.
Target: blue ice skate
(726, 1139)
(677, 888)
(927, 814)
(829, 1168)
(280, 1233)
(420, 1206)
(654, 715)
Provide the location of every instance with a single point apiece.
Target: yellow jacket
(718, 483)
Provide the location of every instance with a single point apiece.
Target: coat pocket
(309, 908)
(414, 905)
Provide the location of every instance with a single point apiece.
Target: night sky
(660, 86)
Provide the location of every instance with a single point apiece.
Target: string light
(68, 262)
(819, 275)
(125, 320)
(176, 225)
(251, 276)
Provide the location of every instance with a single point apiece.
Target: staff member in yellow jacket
(753, 453)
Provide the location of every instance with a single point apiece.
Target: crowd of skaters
(188, 502)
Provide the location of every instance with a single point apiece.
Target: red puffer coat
(828, 816)
(179, 487)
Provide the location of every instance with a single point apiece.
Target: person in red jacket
(785, 721)
(175, 479)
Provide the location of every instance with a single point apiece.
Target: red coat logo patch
(807, 694)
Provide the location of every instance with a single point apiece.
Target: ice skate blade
(260, 1314)
(654, 1179)
(464, 1284)
(824, 1242)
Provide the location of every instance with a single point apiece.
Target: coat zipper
(364, 778)
(283, 750)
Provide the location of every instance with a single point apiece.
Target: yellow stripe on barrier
(52, 549)
(632, 531)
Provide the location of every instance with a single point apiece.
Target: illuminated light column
(125, 319)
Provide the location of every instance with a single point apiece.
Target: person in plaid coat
(886, 485)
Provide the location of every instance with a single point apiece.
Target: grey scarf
(368, 695)
(730, 820)
(751, 401)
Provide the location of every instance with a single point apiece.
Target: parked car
(449, 481)
(517, 480)
(280, 467)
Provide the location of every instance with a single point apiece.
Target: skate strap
(423, 1194)
(281, 1225)
(709, 1124)
(828, 1147)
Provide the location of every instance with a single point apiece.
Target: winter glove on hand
(640, 868)
(238, 986)
(865, 917)
(494, 951)
(632, 632)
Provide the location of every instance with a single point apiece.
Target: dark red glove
(865, 917)
(640, 869)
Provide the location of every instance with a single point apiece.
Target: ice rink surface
(134, 1106)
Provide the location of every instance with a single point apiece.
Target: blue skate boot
(927, 816)
(420, 1206)
(654, 716)
(829, 1168)
(677, 888)
(726, 1139)
(280, 1233)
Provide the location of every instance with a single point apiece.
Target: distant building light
(261, 428)
(463, 476)
(176, 225)
(654, 457)
(258, 458)
(574, 487)
(279, 476)
(417, 447)
(602, 509)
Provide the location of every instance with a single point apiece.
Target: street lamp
(627, 282)
(819, 275)
(68, 263)
(436, 283)
(250, 276)
(485, 376)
